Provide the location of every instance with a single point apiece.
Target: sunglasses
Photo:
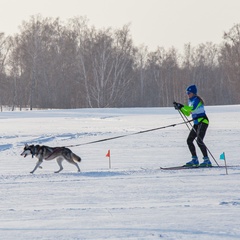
(188, 93)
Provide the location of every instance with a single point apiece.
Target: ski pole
(185, 119)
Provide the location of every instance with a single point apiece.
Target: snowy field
(132, 200)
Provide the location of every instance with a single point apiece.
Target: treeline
(50, 64)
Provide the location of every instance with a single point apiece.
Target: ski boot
(193, 163)
(206, 162)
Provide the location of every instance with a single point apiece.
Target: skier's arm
(186, 110)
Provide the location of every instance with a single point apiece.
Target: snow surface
(132, 200)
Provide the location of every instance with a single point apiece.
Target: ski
(188, 167)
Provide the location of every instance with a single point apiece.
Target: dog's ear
(26, 145)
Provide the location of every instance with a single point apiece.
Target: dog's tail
(76, 157)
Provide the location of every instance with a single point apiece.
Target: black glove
(177, 106)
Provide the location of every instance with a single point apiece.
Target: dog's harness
(34, 152)
(57, 149)
(38, 149)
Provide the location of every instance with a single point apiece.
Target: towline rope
(130, 134)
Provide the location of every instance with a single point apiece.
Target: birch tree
(4, 52)
(105, 60)
(230, 60)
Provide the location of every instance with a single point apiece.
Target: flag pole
(109, 158)
(225, 163)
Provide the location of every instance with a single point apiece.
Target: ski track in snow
(133, 200)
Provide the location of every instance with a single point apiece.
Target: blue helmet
(192, 89)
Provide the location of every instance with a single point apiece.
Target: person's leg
(192, 135)
(200, 136)
(201, 131)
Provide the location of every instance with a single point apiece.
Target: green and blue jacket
(196, 108)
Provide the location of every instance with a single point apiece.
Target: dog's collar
(36, 150)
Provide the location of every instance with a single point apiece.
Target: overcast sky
(163, 23)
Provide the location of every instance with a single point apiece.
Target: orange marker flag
(108, 153)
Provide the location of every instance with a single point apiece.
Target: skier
(196, 109)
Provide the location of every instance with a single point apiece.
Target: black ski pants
(198, 131)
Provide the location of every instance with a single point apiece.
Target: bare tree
(230, 60)
(105, 62)
(4, 52)
(137, 94)
(163, 69)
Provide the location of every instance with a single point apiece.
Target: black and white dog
(50, 153)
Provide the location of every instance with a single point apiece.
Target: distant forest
(51, 64)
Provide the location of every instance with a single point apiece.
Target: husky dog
(50, 153)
